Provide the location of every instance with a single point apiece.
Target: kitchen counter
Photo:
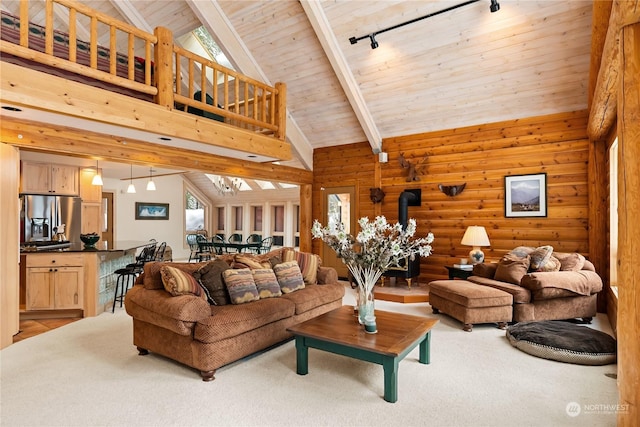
(118, 246)
(91, 269)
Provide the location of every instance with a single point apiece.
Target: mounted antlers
(412, 170)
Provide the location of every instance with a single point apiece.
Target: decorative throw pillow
(289, 276)
(570, 261)
(246, 261)
(266, 283)
(309, 264)
(275, 260)
(552, 265)
(512, 268)
(540, 256)
(210, 277)
(178, 282)
(240, 285)
(522, 251)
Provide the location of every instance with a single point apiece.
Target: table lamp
(475, 236)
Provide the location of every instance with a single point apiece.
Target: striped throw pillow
(240, 285)
(289, 276)
(309, 264)
(178, 282)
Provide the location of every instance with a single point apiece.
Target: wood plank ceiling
(464, 67)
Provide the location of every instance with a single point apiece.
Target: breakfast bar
(70, 280)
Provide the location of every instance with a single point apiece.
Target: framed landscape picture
(152, 210)
(525, 195)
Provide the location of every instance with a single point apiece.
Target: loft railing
(80, 40)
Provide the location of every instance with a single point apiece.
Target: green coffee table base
(389, 363)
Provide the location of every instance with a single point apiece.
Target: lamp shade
(475, 236)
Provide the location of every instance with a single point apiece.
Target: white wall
(169, 190)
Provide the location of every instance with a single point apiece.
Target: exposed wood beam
(83, 143)
(604, 107)
(332, 49)
(24, 87)
(628, 324)
(599, 24)
(220, 28)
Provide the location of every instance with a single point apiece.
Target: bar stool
(126, 278)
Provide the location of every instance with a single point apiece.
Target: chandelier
(226, 186)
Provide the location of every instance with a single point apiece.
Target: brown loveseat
(527, 284)
(188, 329)
(567, 292)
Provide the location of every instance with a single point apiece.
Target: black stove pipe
(403, 207)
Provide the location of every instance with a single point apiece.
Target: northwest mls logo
(573, 409)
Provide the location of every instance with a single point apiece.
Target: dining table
(217, 247)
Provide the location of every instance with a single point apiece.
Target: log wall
(344, 165)
(480, 156)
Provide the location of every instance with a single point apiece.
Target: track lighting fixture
(374, 43)
(495, 6)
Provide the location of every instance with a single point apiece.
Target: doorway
(338, 206)
(107, 218)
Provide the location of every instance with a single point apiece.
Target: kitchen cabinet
(89, 193)
(54, 282)
(91, 218)
(45, 178)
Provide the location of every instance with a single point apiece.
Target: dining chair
(192, 241)
(204, 252)
(254, 239)
(265, 245)
(159, 255)
(218, 244)
(235, 238)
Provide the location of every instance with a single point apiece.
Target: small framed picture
(152, 210)
(525, 195)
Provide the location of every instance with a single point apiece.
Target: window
(256, 222)
(277, 225)
(221, 219)
(278, 219)
(613, 216)
(237, 218)
(194, 213)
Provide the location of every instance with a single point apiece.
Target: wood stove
(409, 268)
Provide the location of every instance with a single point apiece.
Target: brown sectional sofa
(567, 293)
(188, 329)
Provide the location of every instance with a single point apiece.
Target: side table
(458, 272)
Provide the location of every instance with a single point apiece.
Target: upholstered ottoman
(471, 303)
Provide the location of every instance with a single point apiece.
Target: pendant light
(131, 188)
(97, 179)
(151, 186)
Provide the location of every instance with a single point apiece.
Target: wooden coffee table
(339, 332)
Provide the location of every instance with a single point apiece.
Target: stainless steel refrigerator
(40, 216)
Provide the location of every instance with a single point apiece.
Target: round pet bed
(564, 342)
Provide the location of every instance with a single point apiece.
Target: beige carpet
(89, 374)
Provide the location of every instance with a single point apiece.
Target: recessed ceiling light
(164, 138)
(252, 156)
(9, 108)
